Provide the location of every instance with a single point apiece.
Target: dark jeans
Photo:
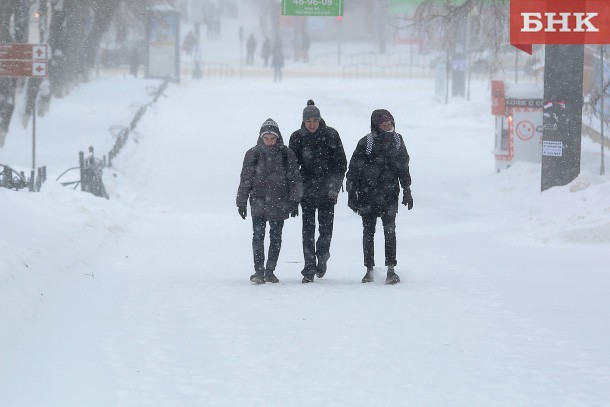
(368, 238)
(258, 243)
(321, 248)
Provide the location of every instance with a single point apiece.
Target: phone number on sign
(313, 2)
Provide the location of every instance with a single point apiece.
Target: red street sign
(23, 68)
(35, 52)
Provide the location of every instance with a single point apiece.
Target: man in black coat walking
(377, 169)
(322, 162)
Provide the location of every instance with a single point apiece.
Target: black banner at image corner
(562, 114)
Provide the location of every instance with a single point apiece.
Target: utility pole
(602, 169)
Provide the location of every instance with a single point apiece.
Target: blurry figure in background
(322, 162)
(250, 48)
(266, 51)
(377, 169)
(189, 43)
(134, 62)
(306, 43)
(277, 60)
(270, 179)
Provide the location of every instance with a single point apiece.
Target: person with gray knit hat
(271, 181)
(377, 170)
(322, 164)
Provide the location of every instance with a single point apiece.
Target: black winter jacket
(270, 179)
(322, 162)
(378, 164)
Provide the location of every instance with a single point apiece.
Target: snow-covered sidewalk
(144, 300)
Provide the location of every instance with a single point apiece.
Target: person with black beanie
(377, 170)
(270, 180)
(322, 163)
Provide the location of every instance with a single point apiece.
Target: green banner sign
(312, 7)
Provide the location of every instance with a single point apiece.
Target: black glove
(332, 197)
(352, 202)
(294, 210)
(407, 199)
(242, 212)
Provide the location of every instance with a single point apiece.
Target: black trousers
(258, 243)
(321, 248)
(369, 222)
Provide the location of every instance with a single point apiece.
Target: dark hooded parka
(379, 163)
(270, 178)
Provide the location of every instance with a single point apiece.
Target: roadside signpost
(23, 51)
(20, 68)
(25, 61)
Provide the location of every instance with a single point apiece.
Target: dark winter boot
(258, 277)
(307, 279)
(392, 277)
(368, 277)
(270, 277)
(308, 274)
(320, 270)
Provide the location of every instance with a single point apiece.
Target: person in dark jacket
(377, 170)
(270, 179)
(250, 48)
(277, 60)
(266, 51)
(322, 162)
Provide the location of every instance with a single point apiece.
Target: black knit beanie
(270, 126)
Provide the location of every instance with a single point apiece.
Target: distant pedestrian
(277, 60)
(270, 180)
(134, 62)
(377, 170)
(322, 162)
(306, 45)
(266, 51)
(250, 48)
(189, 43)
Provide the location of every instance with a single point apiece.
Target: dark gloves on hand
(407, 199)
(294, 210)
(352, 202)
(242, 212)
(332, 197)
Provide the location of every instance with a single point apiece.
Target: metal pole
(602, 169)
(340, 40)
(516, 65)
(34, 135)
(241, 46)
(447, 78)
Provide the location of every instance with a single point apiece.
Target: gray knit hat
(311, 111)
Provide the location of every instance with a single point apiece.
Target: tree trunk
(7, 85)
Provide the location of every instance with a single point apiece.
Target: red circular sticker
(525, 130)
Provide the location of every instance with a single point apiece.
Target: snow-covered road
(502, 301)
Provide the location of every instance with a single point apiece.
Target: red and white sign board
(559, 22)
(519, 128)
(18, 68)
(18, 60)
(23, 51)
